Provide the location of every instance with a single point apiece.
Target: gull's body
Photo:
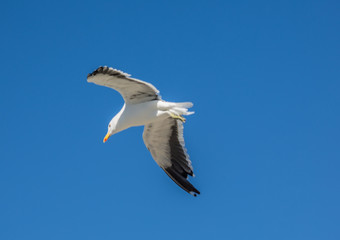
(132, 115)
(163, 121)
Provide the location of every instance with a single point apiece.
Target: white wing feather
(132, 90)
(164, 139)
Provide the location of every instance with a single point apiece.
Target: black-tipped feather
(164, 139)
(177, 152)
(134, 91)
(109, 71)
(181, 181)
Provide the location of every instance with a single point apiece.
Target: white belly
(140, 114)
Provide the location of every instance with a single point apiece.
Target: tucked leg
(174, 116)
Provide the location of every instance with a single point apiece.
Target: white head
(111, 129)
(115, 125)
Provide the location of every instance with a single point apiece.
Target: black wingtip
(101, 69)
(109, 71)
(181, 181)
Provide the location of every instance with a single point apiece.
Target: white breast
(139, 114)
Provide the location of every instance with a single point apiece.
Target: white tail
(184, 104)
(182, 108)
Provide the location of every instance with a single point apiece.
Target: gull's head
(110, 131)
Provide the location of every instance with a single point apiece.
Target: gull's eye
(109, 125)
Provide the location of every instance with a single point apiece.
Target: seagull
(162, 121)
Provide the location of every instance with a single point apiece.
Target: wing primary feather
(181, 181)
(133, 91)
(110, 71)
(164, 139)
(178, 151)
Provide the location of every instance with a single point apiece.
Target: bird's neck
(120, 122)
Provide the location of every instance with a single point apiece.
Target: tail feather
(182, 108)
(181, 111)
(184, 104)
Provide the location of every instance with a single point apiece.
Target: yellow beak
(106, 137)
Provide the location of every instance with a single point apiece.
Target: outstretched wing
(133, 90)
(164, 139)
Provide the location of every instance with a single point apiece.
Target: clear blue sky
(265, 140)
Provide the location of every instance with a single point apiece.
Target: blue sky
(265, 140)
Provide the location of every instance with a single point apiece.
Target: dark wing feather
(133, 90)
(164, 139)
